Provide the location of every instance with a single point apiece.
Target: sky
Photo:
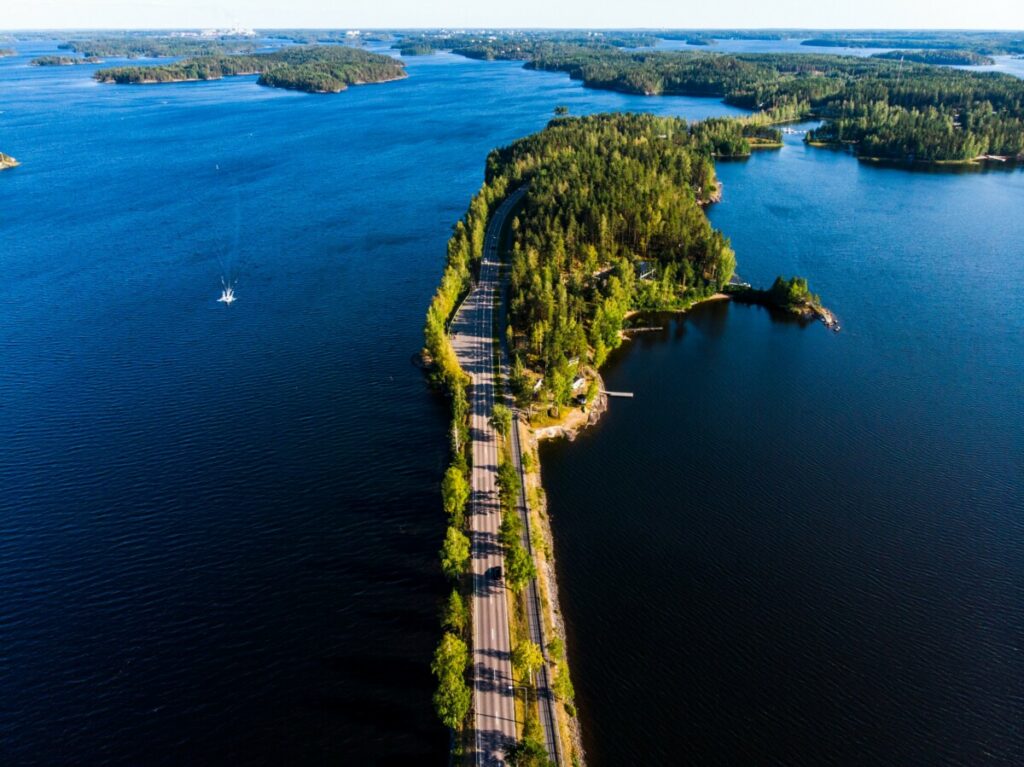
(808, 14)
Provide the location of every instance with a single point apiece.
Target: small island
(314, 69)
(939, 57)
(64, 61)
(6, 161)
(792, 296)
(4, 52)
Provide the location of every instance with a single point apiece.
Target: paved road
(493, 705)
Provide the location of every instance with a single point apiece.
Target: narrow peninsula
(595, 219)
(314, 69)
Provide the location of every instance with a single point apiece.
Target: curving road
(472, 331)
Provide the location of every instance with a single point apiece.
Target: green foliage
(454, 494)
(455, 613)
(508, 485)
(455, 553)
(511, 530)
(453, 697)
(519, 567)
(892, 109)
(605, 191)
(528, 752)
(731, 137)
(316, 69)
(792, 293)
(133, 46)
(562, 685)
(451, 656)
(501, 420)
(556, 649)
(62, 61)
(938, 57)
(985, 42)
(511, 45)
(526, 658)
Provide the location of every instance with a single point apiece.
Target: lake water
(800, 547)
(220, 524)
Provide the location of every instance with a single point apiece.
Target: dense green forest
(133, 45)
(316, 69)
(981, 41)
(938, 56)
(608, 194)
(516, 46)
(887, 109)
(63, 61)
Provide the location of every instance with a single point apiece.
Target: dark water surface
(796, 547)
(219, 525)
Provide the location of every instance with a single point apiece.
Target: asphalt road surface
(472, 337)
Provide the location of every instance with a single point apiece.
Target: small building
(578, 383)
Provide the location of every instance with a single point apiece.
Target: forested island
(938, 56)
(510, 45)
(315, 69)
(981, 41)
(135, 45)
(6, 161)
(64, 61)
(883, 109)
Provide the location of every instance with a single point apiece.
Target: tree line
(888, 108)
(133, 46)
(315, 69)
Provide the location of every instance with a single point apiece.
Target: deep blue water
(220, 524)
(805, 548)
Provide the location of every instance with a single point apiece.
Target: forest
(315, 69)
(937, 56)
(133, 45)
(986, 42)
(885, 109)
(507, 45)
(63, 61)
(606, 193)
